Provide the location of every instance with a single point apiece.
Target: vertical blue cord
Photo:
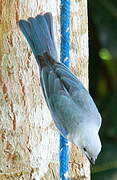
(64, 57)
(65, 31)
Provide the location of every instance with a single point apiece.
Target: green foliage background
(103, 81)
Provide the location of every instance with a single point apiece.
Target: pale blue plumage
(72, 108)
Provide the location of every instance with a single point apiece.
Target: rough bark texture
(29, 141)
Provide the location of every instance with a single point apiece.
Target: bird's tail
(39, 33)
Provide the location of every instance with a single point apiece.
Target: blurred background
(103, 81)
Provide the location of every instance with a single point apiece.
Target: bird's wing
(61, 106)
(68, 100)
(65, 111)
(79, 95)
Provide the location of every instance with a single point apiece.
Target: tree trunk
(29, 141)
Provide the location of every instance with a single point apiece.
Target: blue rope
(64, 57)
(65, 31)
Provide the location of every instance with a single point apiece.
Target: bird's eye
(84, 149)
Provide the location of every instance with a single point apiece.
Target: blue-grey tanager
(72, 108)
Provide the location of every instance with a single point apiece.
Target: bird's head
(90, 144)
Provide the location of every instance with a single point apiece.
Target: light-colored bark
(29, 141)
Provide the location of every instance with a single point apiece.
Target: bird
(70, 103)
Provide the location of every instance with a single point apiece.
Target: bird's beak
(91, 160)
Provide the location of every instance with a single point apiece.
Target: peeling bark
(29, 141)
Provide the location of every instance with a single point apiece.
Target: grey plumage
(72, 108)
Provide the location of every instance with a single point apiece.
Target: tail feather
(40, 27)
(25, 28)
(39, 33)
(49, 20)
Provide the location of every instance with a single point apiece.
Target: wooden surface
(29, 141)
